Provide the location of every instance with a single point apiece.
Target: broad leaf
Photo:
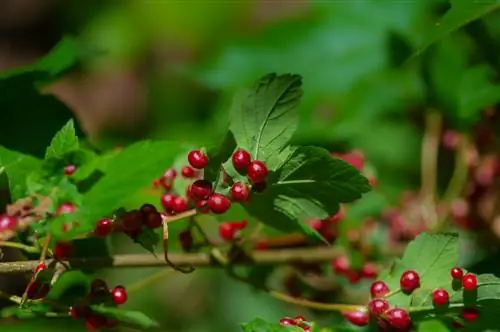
(70, 286)
(17, 166)
(265, 118)
(309, 185)
(126, 316)
(260, 325)
(432, 326)
(218, 155)
(64, 142)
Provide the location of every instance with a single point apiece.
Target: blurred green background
(168, 69)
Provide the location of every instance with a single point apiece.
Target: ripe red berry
(240, 192)
(179, 204)
(299, 319)
(170, 173)
(69, 169)
(7, 222)
(199, 190)
(241, 159)
(119, 295)
(40, 267)
(369, 270)
(470, 314)
(378, 306)
(398, 318)
(287, 321)
(357, 318)
(63, 250)
(227, 231)
(353, 276)
(218, 203)
(104, 227)
(65, 208)
(355, 157)
(186, 240)
(257, 171)
(188, 172)
(340, 265)
(379, 289)
(197, 159)
(440, 297)
(167, 201)
(469, 282)
(450, 139)
(202, 206)
(457, 273)
(409, 281)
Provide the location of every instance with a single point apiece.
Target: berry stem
(20, 246)
(180, 216)
(312, 304)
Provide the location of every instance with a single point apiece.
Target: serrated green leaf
(64, 142)
(460, 14)
(260, 325)
(432, 326)
(17, 166)
(264, 119)
(310, 184)
(70, 286)
(126, 316)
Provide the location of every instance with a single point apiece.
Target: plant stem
(268, 257)
(460, 173)
(314, 305)
(180, 216)
(21, 246)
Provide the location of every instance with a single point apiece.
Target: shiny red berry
(398, 318)
(227, 231)
(170, 173)
(7, 222)
(409, 281)
(167, 201)
(179, 204)
(240, 192)
(378, 306)
(63, 250)
(287, 321)
(69, 170)
(299, 320)
(357, 318)
(197, 159)
(470, 314)
(379, 289)
(440, 297)
(457, 273)
(469, 282)
(341, 265)
(119, 295)
(199, 190)
(257, 171)
(37, 290)
(104, 227)
(241, 159)
(188, 172)
(202, 206)
(218, 203)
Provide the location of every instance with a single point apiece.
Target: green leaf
(310, 184)
(460, 14)
(17, 166)
(218, 155)
(148, 239)
(264, 119)
(260, 325)
(70, 286)
(431, 256)
(64, 142)
(432, 326)
(126, 316)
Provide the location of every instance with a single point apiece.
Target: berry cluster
(99, 293)
(298, 321)
(398, 318)
(341, 266)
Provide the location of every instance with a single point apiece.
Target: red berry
(353, 276)
(65, 208)
(132, 221)
(398, 318)
(470, 314)
(147, 209)
(241, 159)
(197, 159)
(63, 250)
(341, 265)
(186, 240)
(69, 169)
(440, 297)
(188, 172)
(95, 322)
(218, 203)
(111, 323)
(409, 281)
(457, 273)
(227, 231)
(170, 173)
(7, 222)
(179, 204)
(369, 270)
(104, 227)
(240, 192)
(299, 320)
(167, 201)
(378, 306)
(287, 321)
(119, 295)
(379, 289)
(469, 282)
(166, 183)
(40, 267)
(357, 318)
(153, 220)
(257, 171)
(202, 206)
(199, 190)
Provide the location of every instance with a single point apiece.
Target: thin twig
(21, 246)
(174, 266)
(458, 180)
(267, 257)
(314, 305)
